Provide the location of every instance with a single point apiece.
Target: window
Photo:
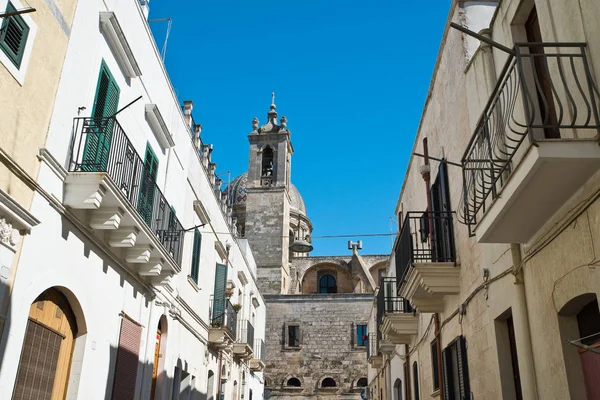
(455, 370)
(294, 382)
(362, 382)
(196, 255)
(148, 185)
(416, 379)
(293, 336)
(434, 366)
(327, 284)
(362, 337)
(13, 36)
(328, 383)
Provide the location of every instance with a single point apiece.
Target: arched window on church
(327, 284)
(328, 382)
(267, 162)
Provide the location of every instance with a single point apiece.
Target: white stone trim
(45, 156)
(15, 214)
(19, 73)
(159, 127)
(118, 43)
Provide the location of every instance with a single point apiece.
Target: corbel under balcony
(159, 127)
(242, 350)
(376, 361)
(398, 328)
(96, 200)
(118, 44)
(426, 284)
(257, 365)
(220, 338)
(386, 347)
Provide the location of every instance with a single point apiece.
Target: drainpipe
(407, 372)
(219, 383)
(426, 172)
(522, 329)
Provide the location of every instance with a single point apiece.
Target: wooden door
(45, 362)
(156, 360)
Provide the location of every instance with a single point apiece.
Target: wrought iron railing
(101, 145)
(260, 350)
(246, 333)
(425, 237)
(388, 302)
(545, 91)
(372, 349)
(224, 315)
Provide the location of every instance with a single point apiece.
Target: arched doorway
(588, 321)
(159, 357)
(48, 345)
(210, 386)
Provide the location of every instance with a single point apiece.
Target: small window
(434, 365)
(13, 36)
(416, 379)
(328, 383)
(327, 284)
(362, 382)
(293, 336)
(455, 369)
(294, 382)
(362, 338)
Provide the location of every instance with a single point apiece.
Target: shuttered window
(148, 185)
(37, 367)
(219, 297)
(416, 379)
(455, 369)
(196, 255)
(99, 135)
(127, 360)
(13, 36)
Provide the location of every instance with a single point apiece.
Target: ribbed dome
(237, 194)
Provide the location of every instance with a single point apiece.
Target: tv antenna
(164, 48)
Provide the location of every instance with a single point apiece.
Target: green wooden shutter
(13, 36)
(100, 133)
(196, 256)
(148, 186)
(219, 297)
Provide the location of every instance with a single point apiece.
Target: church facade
(317, 307)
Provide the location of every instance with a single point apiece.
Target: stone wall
(327, 325)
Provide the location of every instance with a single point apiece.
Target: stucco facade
(516, 290)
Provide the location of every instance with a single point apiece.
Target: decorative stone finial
(255, 125)
(283, 123)
(272, 98)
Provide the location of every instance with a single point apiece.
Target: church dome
(237, 194)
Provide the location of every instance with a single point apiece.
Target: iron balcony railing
(260, 350)
(372, 349)
(425, 237)
(101, 145)
(224, 315)
(388, 302)
(246, 333)
(544, 92)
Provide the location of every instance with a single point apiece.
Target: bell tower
(268, 201)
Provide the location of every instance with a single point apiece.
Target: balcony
(110, 188)
(396, 319)
(244, 346)
(374, 357)
(535, 144)
(223, 331)
(257, 362)
(426, 260)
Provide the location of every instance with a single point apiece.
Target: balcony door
(99, 131)
(219, 297)
(148, 186)
(443, 233)
(543, 82)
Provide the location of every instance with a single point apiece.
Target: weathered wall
(326, 324)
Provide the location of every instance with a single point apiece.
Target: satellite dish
(267, 394)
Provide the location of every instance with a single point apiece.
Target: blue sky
(350, 76)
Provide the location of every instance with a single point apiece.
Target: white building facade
(133, 285)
